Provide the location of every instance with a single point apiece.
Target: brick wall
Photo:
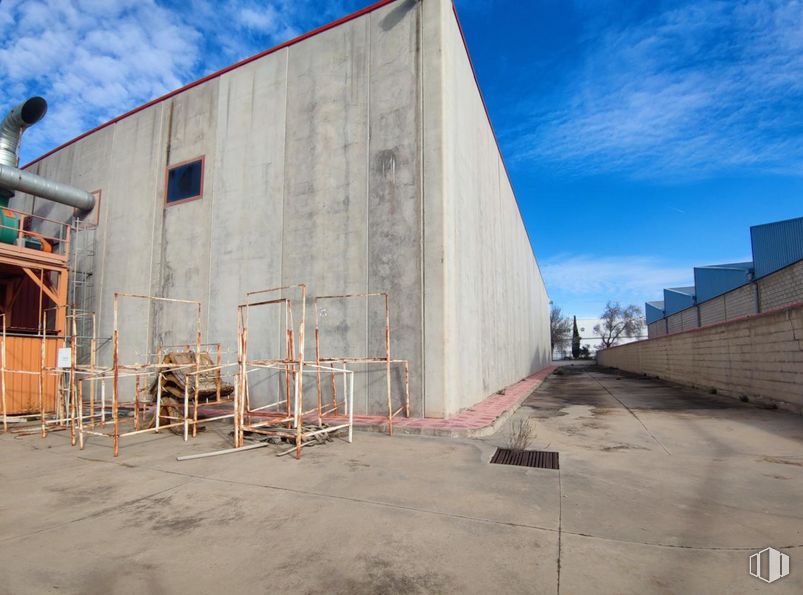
(760, 357)
(782, 287)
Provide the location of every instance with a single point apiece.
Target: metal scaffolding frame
(147, 370)
(286, 418)
(289, 423)
(386, 361)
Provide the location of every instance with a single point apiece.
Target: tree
(559, 329)
(575, 340)
(618, 322)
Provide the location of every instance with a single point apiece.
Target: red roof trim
(214, 75)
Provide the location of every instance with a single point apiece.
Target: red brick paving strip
(475, 418)
(480, 415)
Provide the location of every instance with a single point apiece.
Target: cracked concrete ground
(661, 489)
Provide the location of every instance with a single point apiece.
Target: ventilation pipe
(13, 179)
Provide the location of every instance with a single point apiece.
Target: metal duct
(13, 178)
(26, 114)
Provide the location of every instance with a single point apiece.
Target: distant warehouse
(721, 292)
(357, 158)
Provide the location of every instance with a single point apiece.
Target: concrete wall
(312, 174)
(356, 160)
(760, 357)
(495, 307)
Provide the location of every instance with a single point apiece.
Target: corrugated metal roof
(776, 245)
(689, 290)
(677, 299)
(653, 311)
(711, 281)
(728, 265)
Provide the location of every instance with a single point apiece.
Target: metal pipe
(18, 119)
(13, 179)
(225, 451)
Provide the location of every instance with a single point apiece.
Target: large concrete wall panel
(132, 200)
(326, 161)
(394, 217)
(183, 231)
(248, 195)
(496, 307)
(434, 262)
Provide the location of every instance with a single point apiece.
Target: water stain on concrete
(781, 461)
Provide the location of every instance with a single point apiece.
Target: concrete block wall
(689, 319)
(674, 323)
(741, 302)
(712, 311)
(779, 289)
(760, 357)
(656, 329)
(782, 287)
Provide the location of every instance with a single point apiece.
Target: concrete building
(356, 158)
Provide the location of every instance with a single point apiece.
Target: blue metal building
(776, 245)
(653, 311)
(677, 299)
(716, 279)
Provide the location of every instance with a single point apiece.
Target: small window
(185, 182)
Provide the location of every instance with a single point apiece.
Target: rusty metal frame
(292, 364)
(138, 371)
(387, 361)
(289, 423)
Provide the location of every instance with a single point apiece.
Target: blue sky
(642, 138)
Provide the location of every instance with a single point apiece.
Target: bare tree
(618, 322)
(560, 327)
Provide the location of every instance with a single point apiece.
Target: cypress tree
(575, 340)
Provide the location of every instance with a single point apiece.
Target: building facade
(358, 158)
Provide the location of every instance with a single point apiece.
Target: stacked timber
(174, 379)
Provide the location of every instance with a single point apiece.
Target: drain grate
(542, 459)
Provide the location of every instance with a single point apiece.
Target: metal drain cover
(541, 459)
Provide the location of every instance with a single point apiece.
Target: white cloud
(710, 85)
(612, 276)
(96, 59)
(265, 20)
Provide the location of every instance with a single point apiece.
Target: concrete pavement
(661, 490)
